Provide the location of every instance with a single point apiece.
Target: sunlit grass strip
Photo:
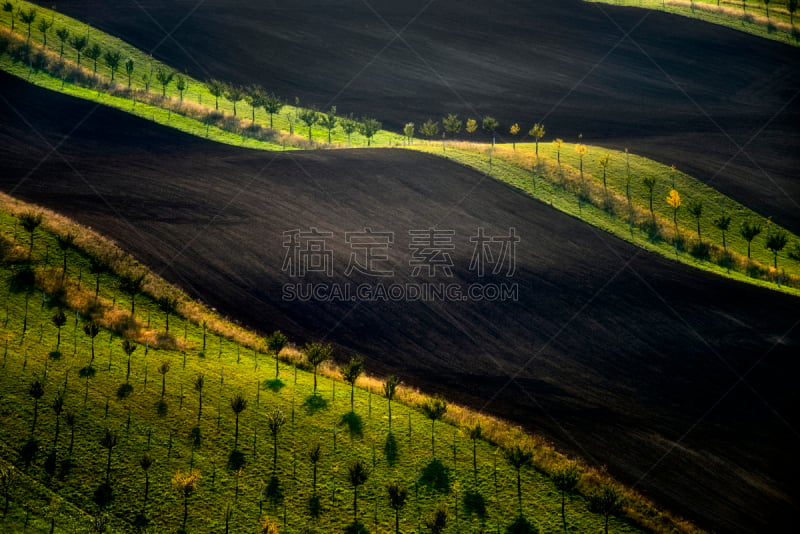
(729, 13)
(559, 188)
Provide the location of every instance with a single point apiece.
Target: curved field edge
(232, 359)
(741, 15)
(732, 261)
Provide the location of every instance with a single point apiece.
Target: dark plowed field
(682, 383)
(677, 90)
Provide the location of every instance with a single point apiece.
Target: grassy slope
(729, 13)
(229, 367)
(474, 155)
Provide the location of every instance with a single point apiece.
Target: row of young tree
(185, 481)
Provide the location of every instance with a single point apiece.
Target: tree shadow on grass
(161, 408)
(474, 504)
(55, 355)
(235, 460)
(27, 453)
(275, 385)
(436, 477)
(124, 391)
(390, 450)
(354, 424)
(314, 403)
(104, 495)
(521, 525)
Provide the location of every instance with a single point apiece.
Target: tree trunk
(519, 490)
(274, 452)
(563, 513)
(475, 459)
(355, 503)
(200, 409)
(236, 434)
(314, 479)
(433, 441)
(108, 467)
(146, 487)
(352, 393)
(185, 510)
(35, 416)
(397, 521)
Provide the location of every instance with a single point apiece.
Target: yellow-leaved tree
(674, 202)
(514, 130)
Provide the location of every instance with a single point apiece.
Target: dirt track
(680, 91)
(620, 355)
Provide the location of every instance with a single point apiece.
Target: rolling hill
(662, 373)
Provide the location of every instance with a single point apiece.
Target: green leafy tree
(112, 60)
(216, 88)
(8, 7)
(275, 421)
(129, 67)
(452, 124)
(349, 127)
(168, 305)
(604, 161)
(397, 500)
(185, 484)
(79, 42)
(314, 456)
(132, 286)
(514, 130)
(163, 369)
(128, 347)
(434, 409)
(36, 391)
(649, 182)
(238, 405)
(317, 354)
(519, 458)
(581, 150)
(537, 132)
(65, 242)
(275, 344)
(475, 433)
(350, 373)
(234, 94)
(566, 481)
(273, 105)
(309, 118)
(695, 209)
(146, 462)
(722, 223)
(30, 221)
(357, 475)
(749, 231)
(181, 85)
(558, 143)
(329, 121)
(44, 27)
(164, 78)
(368, 128)
(606, 502)
(776, 242)
(59, 319)
(109, 440)
(97, 266)
(91, 329)
(94, 52)
(490, 125)
(408, 131)
(63, 37)
(389, 391)
(255, 96)
(27, 18)
(430, 128)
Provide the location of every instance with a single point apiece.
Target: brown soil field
(719, 104)
(683, 384)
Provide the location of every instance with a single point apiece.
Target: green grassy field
(59, 484)
(749, 16)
